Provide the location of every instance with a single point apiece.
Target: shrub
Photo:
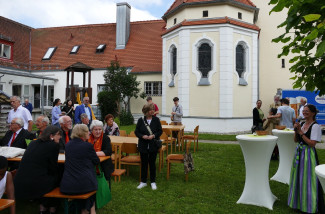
(106, 103)
(126, 118)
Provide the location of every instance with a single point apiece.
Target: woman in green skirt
(305, 191)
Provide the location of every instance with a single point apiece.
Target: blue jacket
(29, 106)
(80, 110)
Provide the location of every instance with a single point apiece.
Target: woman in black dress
(38, 171)
(148, 150)
(69, 108)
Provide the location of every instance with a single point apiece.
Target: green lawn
(214, 187)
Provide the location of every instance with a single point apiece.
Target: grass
(201, 136)
(214, 187)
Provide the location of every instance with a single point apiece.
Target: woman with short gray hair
(102, 145)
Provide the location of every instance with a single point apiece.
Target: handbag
(188, 163)
(172, 116)
(103, 194)
(157, 143)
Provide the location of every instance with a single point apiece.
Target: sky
(54, 13)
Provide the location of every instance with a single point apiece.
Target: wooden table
(118, 140)
(179, 129)
(5, 203)
(61, 158)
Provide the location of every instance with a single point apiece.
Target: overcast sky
(53, 13)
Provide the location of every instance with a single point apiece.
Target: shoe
(141, 185)
(153, 186)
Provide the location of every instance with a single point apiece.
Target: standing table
(287, 148)
(320, 172)
(257, 151)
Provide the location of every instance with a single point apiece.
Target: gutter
(25, 74)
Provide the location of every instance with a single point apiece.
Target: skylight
(100, 48)
(49, 53)
(75, 49)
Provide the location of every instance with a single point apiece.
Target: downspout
(258, 65)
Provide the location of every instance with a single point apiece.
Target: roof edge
(233, 2)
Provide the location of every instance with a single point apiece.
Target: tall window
(240, 60)
(153, 88)
(205, 59)
(173, 61)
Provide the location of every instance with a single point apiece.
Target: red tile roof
(143, 51)
(184, 2)
(224, 20)
(19, 34)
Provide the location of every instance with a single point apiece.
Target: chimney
(123, 10)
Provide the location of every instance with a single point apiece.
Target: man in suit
(28, 105)
(66, 126)
(84, 108)
(16, 135)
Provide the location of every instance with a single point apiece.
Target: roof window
(75, 49)
(49, 53)
(100, 48)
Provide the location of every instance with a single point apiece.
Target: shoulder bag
(172, 116)
(157, 143)
(103, 194)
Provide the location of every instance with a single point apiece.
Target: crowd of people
(38, 172)
(305, 191)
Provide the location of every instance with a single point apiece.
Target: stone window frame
(149, 88)
(243, 79)
(204, 81)
(170, 64)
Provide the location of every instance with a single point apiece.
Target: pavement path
(318, 145)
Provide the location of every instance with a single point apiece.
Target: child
(6, 182)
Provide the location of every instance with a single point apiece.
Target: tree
(106, 103)
(121, 85)
(304, 38)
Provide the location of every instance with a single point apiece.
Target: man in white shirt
(19, 111)
(303, 103)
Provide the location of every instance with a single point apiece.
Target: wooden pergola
(71, 91)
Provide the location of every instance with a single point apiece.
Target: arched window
(173, 64)
(205, 60)
(240, 60)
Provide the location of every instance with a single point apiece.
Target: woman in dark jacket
(79, 175)
(69, 108)
(258, 116)
(38, 171)
(148, 150)
(102, 146)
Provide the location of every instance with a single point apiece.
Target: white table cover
(257, 151)
(287, 148)
(320, 172)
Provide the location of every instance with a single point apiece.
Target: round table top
(320, 170)
(251, 137)
(277, 131)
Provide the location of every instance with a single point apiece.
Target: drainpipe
(42, 97)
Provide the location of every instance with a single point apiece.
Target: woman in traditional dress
(305, 191)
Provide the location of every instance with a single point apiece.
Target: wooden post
(67, 91)
(84, 79)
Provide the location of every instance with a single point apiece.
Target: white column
(184, 71)
(164, 75)
(255, 70)
(226, 72)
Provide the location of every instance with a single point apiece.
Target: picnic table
(118, 140)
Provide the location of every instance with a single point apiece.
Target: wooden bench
(5, 203)
(55, 193)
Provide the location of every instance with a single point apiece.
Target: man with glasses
(84, 108)
(66, 126)
(19, 111)
(16, 135)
